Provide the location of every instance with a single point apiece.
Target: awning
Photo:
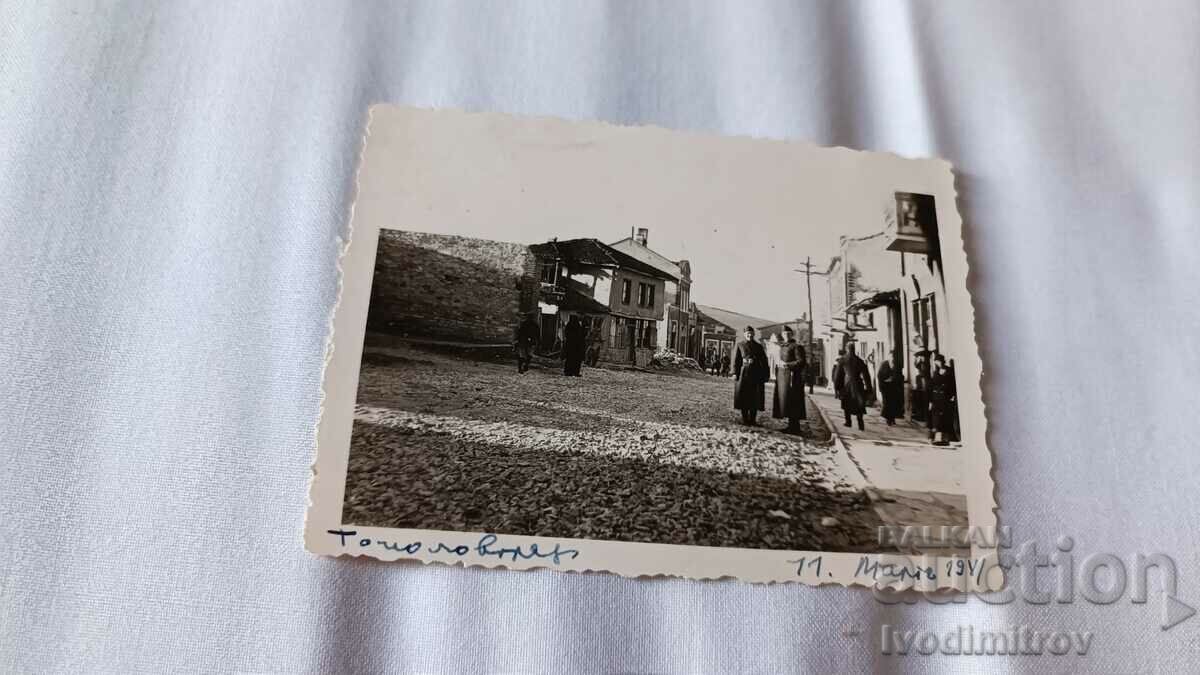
(884, 298)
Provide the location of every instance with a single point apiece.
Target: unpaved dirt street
(449, 441)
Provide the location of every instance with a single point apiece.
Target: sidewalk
(910, 480)
(877, 431)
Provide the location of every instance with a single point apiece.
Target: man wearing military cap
(751, 373)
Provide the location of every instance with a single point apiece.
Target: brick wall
(448, 287)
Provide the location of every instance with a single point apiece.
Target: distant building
(619, 298)
(799, 328)
(678, 329)
(720, 329)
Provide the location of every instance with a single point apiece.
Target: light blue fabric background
(174, 182)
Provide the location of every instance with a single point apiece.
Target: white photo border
(325, 534)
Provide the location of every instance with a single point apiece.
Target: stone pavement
(449, 439)
(910, 480)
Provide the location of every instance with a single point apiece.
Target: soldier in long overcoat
(751, 372)
(789, 382)
(854, 383)
(943, 401)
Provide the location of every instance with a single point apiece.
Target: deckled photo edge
(330, 462)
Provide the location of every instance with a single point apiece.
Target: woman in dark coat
(854, 383)
(574, 346)
(789, 383)
(751, 372)
(920, 392)
(891, 391)
(943, 401)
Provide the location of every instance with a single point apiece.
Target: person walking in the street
(725, 364)
(750, 371)
(854, 383)
(812, 373)
(891, 392)
(528, 337)
(790, 371)
(943, 402)
(574, 347)
(592, 357)
(836, 378)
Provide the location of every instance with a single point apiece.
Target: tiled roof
(644, 253)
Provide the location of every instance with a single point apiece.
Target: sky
(745, 212)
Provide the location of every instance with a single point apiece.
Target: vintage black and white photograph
(724, 343)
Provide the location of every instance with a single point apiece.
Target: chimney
(642, 236)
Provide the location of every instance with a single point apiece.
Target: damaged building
(620, 299)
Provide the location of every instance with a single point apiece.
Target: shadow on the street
(398, 478)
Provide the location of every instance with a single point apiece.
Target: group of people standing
(935, 397)
(752, 371)
(852, 385)
(575, 348)
(714, 364)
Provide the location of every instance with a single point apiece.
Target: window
(549, 272)
(924, 318)
(650, 303)
(626, 285)
(641, 295)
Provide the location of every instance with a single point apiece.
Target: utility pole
(808, 272)
(808, 283)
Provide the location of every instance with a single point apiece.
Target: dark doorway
(549, 332)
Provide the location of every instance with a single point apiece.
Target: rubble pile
(671, 359)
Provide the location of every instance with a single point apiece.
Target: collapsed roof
(595, 252)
